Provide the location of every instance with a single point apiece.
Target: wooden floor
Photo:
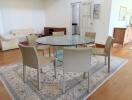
(7, 57)
(119, 87)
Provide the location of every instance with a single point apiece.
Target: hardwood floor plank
(3, 93)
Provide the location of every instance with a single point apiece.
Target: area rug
(51, 88)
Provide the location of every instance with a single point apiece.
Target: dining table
(63, 41)
(66, 40)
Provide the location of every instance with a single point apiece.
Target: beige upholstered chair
(32, 42)
(76, 60)
(56, 48)
(105, 51)
(91, 35)
(33, 60)
(58, 34)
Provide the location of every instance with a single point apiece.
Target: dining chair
(33, 60)
(76, 60)
(59, 33)
(57, 48)
(91, 35)
(106, 52)
(32, 42)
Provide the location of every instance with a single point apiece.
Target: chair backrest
(32, 39)
(77, 59)
(91, 35)
(29, 55)
(108, 45)
(60, 33)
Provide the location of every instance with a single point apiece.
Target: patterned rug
(51, 88)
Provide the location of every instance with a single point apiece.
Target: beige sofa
(8, 42)
(21, 34)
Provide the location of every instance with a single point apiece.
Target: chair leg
(84, 75)
(24, 73)
(88, 82)
(64, 90)
(76, 46)
(43, 52)
(38, 78)
(54, 68)
(49, 52)
(105, 60)
(54, 62)
(108, 63)
(56, 54)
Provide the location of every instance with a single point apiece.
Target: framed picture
(97, 10)
(122, 13)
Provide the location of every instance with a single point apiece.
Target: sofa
(21, 34)
(8, 42)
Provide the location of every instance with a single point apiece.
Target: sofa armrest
(7, 45)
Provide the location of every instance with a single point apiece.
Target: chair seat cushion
(44, 60)
(98, 51)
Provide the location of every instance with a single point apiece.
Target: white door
(101, 24)
(86, 16)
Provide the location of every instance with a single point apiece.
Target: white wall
(101, 25)
(115, 9)
(1, 24)
(58, 14)
(18, 14)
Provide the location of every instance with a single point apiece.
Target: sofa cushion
(23, 31)
(21, 34)
(7, 37)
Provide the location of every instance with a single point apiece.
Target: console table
(122, 35)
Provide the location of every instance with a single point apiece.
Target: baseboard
(8, 50)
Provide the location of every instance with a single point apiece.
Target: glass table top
(65, 40)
